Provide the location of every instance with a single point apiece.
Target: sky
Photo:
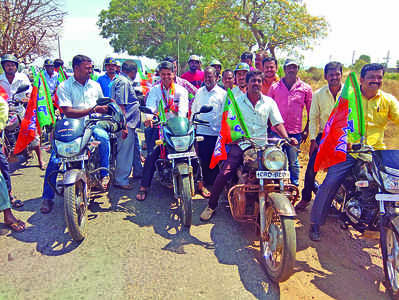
(364, 26)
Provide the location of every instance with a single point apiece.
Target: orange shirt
(267, 82)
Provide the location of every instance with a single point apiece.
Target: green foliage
(365, 58)
(220, 29)
(393, 76)
(358, 65)
(315, 73)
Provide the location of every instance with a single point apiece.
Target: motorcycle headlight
(274, 159)
(68, 149)
(181, 143)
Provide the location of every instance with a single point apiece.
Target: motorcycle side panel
(72, 176)
(282, 205)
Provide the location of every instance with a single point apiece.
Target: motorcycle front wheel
(75, 209)
(278, 245)
(389, 240)
(185, 200)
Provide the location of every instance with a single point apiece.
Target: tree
(365, 58)
(28, 28)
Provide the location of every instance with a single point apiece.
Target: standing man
(269, 73)
(105, 80)
(322, 104)
(78, 98)
(247, 58)
(123, 92)
(50, 75)
(257, 110)
(228, 79)
(292, 95)
(217, 65)
(194, 75)
(175, 102)
(211, 95)
(240, 74)
(379, 107)
(259, 57)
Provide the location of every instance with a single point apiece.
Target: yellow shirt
(377, 111)
(320, 110)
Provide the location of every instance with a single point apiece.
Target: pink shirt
(291, 103)
(196, 79)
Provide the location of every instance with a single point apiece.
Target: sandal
(17, 226)
(141, 195)
(105, 182)
(205, 192)
(47, 206)
(16, 203)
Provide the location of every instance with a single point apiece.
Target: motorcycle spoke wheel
(390, 253)
(185, 200)
(278, 245)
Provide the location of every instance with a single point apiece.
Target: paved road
(137, 250)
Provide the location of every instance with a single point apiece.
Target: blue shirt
(122, 91)
(52, 81)
(105, 83)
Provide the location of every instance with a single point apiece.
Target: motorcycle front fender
(282, 204)
(74, 175)
(183, 169)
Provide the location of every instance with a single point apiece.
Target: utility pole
(59, 47)
(387, 58)
(353, 58)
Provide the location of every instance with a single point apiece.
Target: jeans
(4, 197)
(292, 155)
(53, 165)
(124, 157)
(309, 185)
(327, 190)
(5, 169)
(151, 135)
(137, 166)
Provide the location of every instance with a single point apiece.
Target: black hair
(246, 55)
(129, 66)
(253, 73)
(169, 59)
(226, 71)
(166, 65)
(269, 58)
(78, 59)
(58, 62)
(332, 66)
(371, 67)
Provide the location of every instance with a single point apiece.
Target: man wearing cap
(247, 57)
(175, 101)
(105, 80)
(269, 73)
(240, 73)
(194, 75)
(50, 75)
(217, 65)
(117, 67)
(292, 95)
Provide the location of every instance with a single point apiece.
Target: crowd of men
(270, 106)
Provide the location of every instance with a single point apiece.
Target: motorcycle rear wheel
(278, 245)
(185, 200)
(389, 240)
(75, 209)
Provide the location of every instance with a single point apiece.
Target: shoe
(16, 203)
(207, 214)
(302, 205)
(314, 232)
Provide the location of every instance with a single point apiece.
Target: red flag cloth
(333, 144)
(3, 93)
(28, 128)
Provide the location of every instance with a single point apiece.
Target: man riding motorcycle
(77, 99)
(256, 109)
(379, 107)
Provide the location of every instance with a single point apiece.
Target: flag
(345, 125)
(45, 109)
(232, 129)
(3, 93)
(28, 128)
(61, 75)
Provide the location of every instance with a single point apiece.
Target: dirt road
(136, 250)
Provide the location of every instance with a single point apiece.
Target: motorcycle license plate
(180, 155)
(272, 174)
(74, 158)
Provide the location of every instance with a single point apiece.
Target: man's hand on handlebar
(101, 109)
(292, 141)
(148, 123)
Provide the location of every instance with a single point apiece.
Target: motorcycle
(77, 152)
(175, 167)
(16, 112)
(262, 195)
(369, 200)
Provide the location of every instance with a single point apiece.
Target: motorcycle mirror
(104, 101)
(145, 109)
(205, 109)
(22, 88)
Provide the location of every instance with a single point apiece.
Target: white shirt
(52, 81)
(237, 92)
(256, 118)
(215, 98)
(180, 99)
(19, 79)
(72, 94)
